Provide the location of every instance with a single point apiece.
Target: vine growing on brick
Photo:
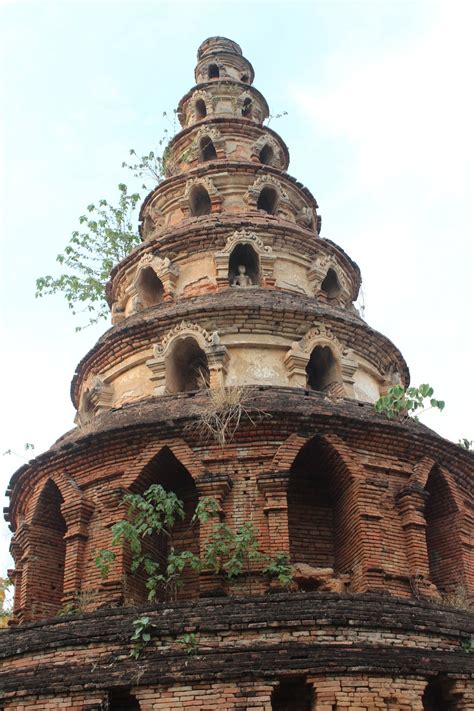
(226, 552)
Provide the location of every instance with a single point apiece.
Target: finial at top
(218, 44)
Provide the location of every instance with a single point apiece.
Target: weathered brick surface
(240, 639)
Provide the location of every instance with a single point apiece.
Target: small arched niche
(121, 699)
(186, 365)
(266, 155)
(330, 285)
(213, 71)
(244, 255)
(49, 551)
(323, 369)
(200, 109)
(442, 540)
(294, 694)
(434, 698)
(244, 78)
(207, 149)
(267, 200)
(150, 288)
(247, 107)
(199, 201)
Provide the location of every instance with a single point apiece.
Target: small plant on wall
(404, 403)
(227, 552)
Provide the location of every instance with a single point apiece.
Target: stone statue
(242, 279)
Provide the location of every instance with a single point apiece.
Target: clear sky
(379, 127)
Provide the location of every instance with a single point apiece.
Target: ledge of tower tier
(359, 632)
(232, 121)
(295, 311)
(206, 170)
(292, 410)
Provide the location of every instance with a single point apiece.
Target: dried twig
(223, 411)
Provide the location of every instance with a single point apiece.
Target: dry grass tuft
(223, 411)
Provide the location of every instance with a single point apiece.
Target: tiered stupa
(233, 286)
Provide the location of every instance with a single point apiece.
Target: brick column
(76, 515)
(411, 501)
(274, 486)
(217, 486)
(16, 575)
(113, 587)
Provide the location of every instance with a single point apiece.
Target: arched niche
(268, 200)
(246, 109)
(207, 150)
(199, 201)
(437, 696)
(323, 370)
(186, 366)
(244, 256)
(150, 287)
(293, 693)
(442, 539)
(188, 358)
(319, 360)
(200, 110)
(330, 285)
(213, 71)
(322, 520)
(329, 281)
(248, 249)
(121, 699)
(48, 556)
(167, 470)
(267, 154)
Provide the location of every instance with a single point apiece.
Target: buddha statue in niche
(242, 279)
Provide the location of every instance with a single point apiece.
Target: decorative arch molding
(214, 135)
(97, 396)
(208, 185)
(297, 358)
(288, 451)
(210, 343)
(423, 469)
(266, 140)
(178, 447)
(204, 96)
(153, 221)
(164, 269)
(264, 253)
(67, 486)
(413, 505)
(267, 181)
(255, 111)
(318, 272)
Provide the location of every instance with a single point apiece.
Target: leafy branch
(106, 236)
(401, 404)
(228, 552)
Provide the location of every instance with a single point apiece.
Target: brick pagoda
(233, 287)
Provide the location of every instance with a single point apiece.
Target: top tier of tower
(221, 58)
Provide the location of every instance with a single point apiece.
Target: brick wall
(356, 652)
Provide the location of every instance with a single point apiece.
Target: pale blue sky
(379, 127)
